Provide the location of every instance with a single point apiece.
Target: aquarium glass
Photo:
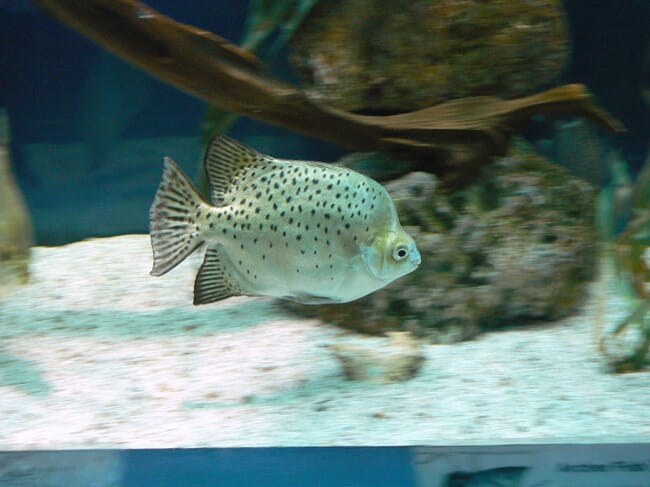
(474, 273)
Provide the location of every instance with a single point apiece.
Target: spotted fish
(306, 231)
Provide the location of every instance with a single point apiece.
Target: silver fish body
(306, 231)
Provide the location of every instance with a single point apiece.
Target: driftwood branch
(451, 139)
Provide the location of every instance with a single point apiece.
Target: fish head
(391, 254)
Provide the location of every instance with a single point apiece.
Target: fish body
(305, 231)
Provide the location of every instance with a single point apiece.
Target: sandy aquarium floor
(96, 353)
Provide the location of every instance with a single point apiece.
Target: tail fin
(173, 222)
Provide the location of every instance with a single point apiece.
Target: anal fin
(213, 283)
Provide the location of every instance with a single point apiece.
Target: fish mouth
(415, 259)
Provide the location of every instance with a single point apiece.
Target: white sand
(95, 352)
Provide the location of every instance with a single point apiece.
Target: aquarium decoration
(16, 233)
(384, 57)
(452, 139)
(627, 344)
(516, 245)
(380, 360)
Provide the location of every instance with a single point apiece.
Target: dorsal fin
(229, 164)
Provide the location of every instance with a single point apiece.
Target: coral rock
(404, 55)
(519, 245)
(397, 358)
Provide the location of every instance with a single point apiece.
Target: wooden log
(452, 139)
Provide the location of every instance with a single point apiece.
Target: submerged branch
(452, 139)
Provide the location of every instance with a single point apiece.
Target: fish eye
(400, 252)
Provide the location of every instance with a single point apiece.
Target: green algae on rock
(398, 56)
(16, 234)
(516, 246)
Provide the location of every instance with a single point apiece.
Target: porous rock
(517, 246)
(398, 357)
(408, 54)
